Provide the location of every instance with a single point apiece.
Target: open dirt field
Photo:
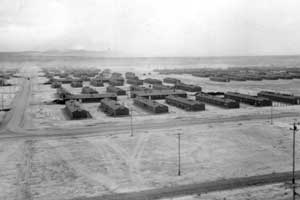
(274, 192)
(106, 163)
(63, 168)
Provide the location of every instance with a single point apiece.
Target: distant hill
(64, 53)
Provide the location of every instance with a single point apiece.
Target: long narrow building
(162, 87)
(91, 98)
(157, 94)
(150, 105)
(219, 79)
(280, 97)
(184, 103)
(62, 80)
(88, 90)
(188, 87)
(76, 84)
(117, 81)
(116, 90)
(113, 108)
(135, 81)
(171, 80)
(139, 88)
(217, 101)
(96, 82)
(152, 81)
(75, 111)
(248, 99)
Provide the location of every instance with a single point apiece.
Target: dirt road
(14, 119)
(199, 188)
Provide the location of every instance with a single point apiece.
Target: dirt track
(199, 188)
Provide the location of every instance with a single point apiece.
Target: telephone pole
(294, 144)
(179, 167)
(272, 114)
(131, 125)
(2, 92)
(2, 100)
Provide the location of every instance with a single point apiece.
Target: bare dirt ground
(97, 164)
(274, 192)
(64, 168)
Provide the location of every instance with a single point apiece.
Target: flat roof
(276, 94)
(150, 102)
(113, 104)
(158, 92)
(91, 96)
(246, 96)
(185, 100)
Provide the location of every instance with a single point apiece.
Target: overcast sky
(153, 27)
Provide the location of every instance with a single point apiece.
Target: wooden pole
(131, 125)
(294, 144)
(179, 160)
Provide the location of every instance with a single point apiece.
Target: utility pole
(294, 144)
(131, 126)
(179, 167)
(175, 86)
(272, 114)
(2, 100)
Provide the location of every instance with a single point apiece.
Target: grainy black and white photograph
(149, 100)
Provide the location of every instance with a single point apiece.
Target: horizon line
(143, 56)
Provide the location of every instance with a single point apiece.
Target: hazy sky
(153, 27)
